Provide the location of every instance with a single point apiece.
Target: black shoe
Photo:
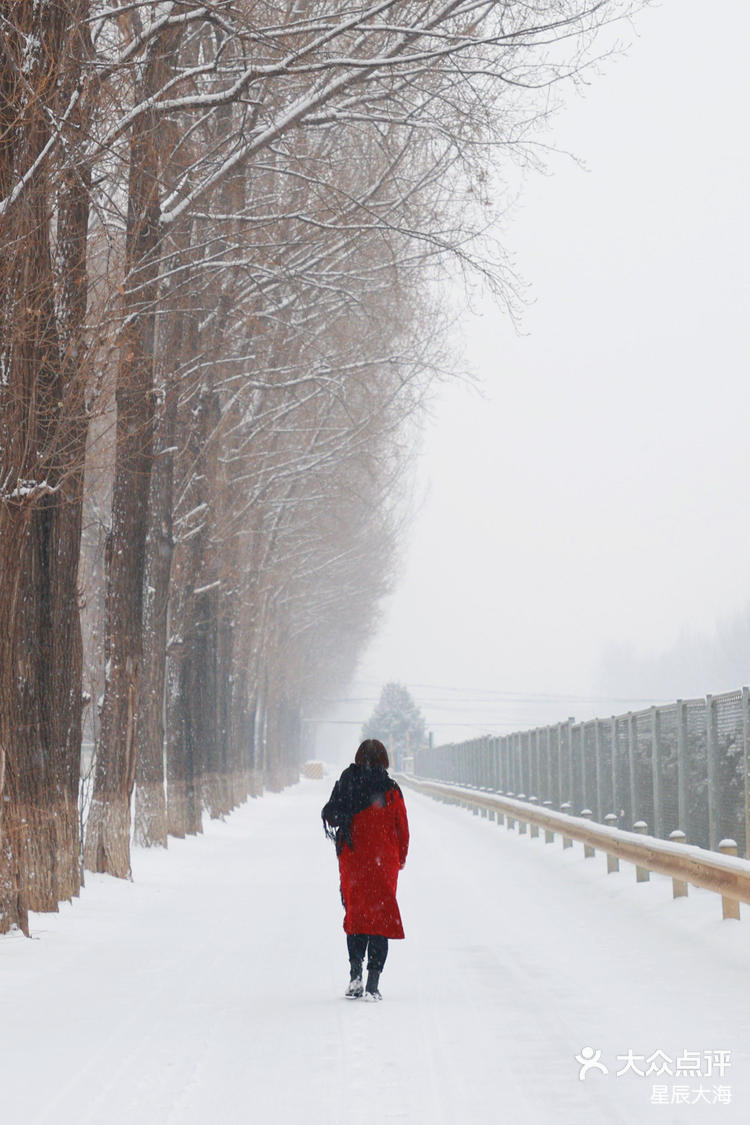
(355, 990)
(371, 991)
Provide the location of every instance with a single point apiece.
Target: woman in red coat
(367, 810)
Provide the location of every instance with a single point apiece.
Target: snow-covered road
(210, 990)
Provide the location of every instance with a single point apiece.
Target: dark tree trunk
(108, 830)
(229, 765)
(200, 623)
(183, 796)
(150, 803)
(43, 442)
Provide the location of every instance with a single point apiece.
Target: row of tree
(217, 226)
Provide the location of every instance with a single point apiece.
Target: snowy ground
(209, 990)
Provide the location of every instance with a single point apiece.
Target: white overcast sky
(596, 492)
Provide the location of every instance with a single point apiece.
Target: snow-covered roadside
(210, 988)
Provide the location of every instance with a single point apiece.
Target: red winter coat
(369, 870)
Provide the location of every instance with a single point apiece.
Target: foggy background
(582, 546)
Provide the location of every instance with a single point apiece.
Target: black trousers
(374, 944)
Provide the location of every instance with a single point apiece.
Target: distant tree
(397, 721)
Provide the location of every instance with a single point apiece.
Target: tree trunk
(183, 797)
(150, 804)
(43, 442)
(108, 830)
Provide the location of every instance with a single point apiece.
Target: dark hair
(372, 753)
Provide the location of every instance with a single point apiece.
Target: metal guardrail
(723, 873)
(684, 765)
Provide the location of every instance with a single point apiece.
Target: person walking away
(367, 811)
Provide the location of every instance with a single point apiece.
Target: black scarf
(358, 788)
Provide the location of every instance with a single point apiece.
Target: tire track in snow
(132, 1057)
(211, 992)
(486, 1059)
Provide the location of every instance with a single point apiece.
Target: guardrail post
(565, 807)
(534, 828)
(588, 851)
(549, 835)
(613, 863)
(679, 886)
(522, 824)
(642, 874)
(510, 820)
(730, 907)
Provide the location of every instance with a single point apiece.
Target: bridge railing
(724, 874)
(682, 766)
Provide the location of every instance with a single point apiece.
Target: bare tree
(43, 296)
(231, 207)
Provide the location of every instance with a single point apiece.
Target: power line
(360, 722)
(509, 697)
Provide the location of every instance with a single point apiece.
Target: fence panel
(683, 765)
(697, 810)
(731, 768)
(643, 795)
(668, 813)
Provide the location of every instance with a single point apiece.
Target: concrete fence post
(549, 762)
(598, 767)
(683, 810)
(613, 735)
(656, 769)
(631, 763)
(712, 773)
(746, 762)
(569, 778)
